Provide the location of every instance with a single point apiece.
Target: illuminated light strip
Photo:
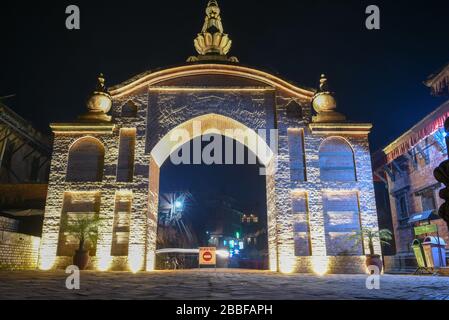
(71, 128)
(208, 69)
(339, 191)
(349, 129)
(341, 125)
(298, 191)
(213, 89)
(358, 132)
(81, 132)
(364, 128)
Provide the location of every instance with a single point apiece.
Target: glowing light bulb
(178, 204)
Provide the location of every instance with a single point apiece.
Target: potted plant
(84, 228)
(384, 236)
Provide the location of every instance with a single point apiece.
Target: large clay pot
(81, 259)
(374, 260)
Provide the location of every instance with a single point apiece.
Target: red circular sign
(207, 256)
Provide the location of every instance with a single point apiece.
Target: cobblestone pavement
(223, 284)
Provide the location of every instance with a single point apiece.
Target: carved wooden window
(428, 200)
(402, 205)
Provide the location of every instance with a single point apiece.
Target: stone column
(152, 215)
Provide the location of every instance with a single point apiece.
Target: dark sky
(377, 74)
(218, 179)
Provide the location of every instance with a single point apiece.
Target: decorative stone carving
(212, 43)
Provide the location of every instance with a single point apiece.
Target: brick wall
(8, 224)
(18, 251)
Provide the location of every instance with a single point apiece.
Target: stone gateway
(318, 175)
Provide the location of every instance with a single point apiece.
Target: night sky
(377, 75)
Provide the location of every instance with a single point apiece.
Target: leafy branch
(84, 227)
(384, 235)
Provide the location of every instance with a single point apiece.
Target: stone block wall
(18, 251)
(315, 189)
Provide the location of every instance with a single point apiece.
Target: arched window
(86, 161)
(336, 160)
(294, 110)
(129, 110)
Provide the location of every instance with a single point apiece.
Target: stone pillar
(286, 244)
(315, 196)
(368, 210)
(152, 215)
(53, 207)
(271, 216)
(104, 241)
(137, 229)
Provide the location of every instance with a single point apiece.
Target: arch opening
(215, 213)
(202, 205)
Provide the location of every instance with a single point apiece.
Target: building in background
(24, 151)
(254, 236)
(243, 235)
(24, 167)
(439, 82)
(406, 167)
(189, 220)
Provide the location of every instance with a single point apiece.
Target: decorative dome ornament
(212, 43)
(325, 104)
(98, 104)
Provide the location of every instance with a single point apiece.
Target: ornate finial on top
(324, 104)
(323, 83)
(212, 43)
(98, 104)
(101, 83)
(212, 23)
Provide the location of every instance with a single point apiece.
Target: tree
(84, 227)
(384, 236)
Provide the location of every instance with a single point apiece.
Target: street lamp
(178, 204)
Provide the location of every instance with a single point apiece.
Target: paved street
(223, 284)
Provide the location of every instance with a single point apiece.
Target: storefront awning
(426, 215)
